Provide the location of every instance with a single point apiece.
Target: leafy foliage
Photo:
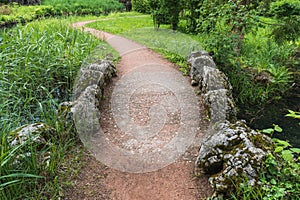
(141, 6)
(280, 178)
(287, 12)
(14, 14)
(163, 11)
(83, 7)
(239, 41)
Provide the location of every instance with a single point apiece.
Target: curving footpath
(149, 127)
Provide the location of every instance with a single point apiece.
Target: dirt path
(172, 178)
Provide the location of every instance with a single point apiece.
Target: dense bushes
(141, 6)
(14, 14)
(11, 14)
(82, 7)
(287, 13)
(163, 11)
(239, 40)
(23, 2)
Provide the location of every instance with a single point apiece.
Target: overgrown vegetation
(242, 45)
(38, 66)
(13, 14)
(83, 7)
(280, 179)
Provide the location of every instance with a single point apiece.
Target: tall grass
(38, 65)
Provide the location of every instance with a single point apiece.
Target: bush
(141, 6)
(281, 176)
(22, 14)
(287, 12)
(83, 7)
(23, 2)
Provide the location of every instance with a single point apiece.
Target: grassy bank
(38, 65)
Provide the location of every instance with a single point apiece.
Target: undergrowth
(280, 179)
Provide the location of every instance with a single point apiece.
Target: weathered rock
(214, 85)
(88, 91)
(196, 54)
(198, 60)
(95, 74)
(106, 67)
(220, 105)
(86, 78)
(86, 114)
(213, 79)
(231, 152)
(38, 133)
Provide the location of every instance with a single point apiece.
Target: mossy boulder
(233, 152)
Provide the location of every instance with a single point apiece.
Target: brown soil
(174, 182)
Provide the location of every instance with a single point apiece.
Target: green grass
(116, 24)
(165, 40)
(38, 66)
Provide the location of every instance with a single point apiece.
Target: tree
(192, 13)
(165, 12)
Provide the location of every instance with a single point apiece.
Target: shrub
(141, 6)
(83, 7)
(287, 12)
(23, 14)
(5, 10)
